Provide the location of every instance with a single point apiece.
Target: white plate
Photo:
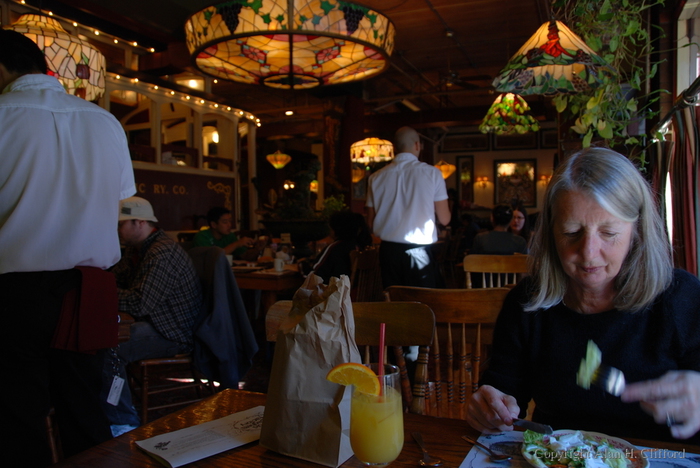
(634, 455)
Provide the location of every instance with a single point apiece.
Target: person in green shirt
(220, 235)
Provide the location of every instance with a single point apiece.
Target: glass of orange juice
(376, 421)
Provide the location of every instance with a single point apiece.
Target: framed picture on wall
(549, 138)
(515, 181)
(465, 181)
(465, 142)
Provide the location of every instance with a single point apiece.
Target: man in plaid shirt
(157, 285)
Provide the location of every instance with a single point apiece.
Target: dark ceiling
(447, 53)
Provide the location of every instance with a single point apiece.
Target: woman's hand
(490, 410)
(672, 399)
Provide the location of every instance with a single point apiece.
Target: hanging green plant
(617, 31)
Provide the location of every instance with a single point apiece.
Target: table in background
(270, 284)
(442, 438)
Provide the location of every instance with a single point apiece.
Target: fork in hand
(610, 379)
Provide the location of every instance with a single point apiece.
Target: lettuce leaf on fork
(589, 365)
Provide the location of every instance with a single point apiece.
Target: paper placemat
(509, 442)
(194, 443)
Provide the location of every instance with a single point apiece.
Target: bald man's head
(407, 140)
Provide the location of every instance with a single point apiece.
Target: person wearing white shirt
(64, 168)
(406, 201)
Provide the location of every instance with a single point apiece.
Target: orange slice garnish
(351, 373)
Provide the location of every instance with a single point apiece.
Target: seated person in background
(520, 225)
(499, 241)
(157, 285)
(349, 232)
(220, 235)
(602, 271)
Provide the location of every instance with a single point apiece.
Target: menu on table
(194, 443)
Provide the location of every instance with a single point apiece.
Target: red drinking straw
(380, 367)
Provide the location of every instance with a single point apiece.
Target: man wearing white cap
(157, 285)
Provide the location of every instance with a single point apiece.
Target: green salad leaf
(571, 450)
(532, 437)
(588, 366)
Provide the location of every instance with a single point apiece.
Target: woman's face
(518, 221)
(591, 243)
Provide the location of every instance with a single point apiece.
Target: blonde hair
(617, 186)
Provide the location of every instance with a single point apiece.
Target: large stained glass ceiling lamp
(290, 44)
(371, 150)
(553, 61)
(77, 64)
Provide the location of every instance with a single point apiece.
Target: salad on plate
(580, 449)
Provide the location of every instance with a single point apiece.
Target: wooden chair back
(407, 324)
(495, 271)
(461, 315)
(365, 276)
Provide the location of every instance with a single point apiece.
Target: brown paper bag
(306, 416)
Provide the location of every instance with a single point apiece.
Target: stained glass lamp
(77, 64)
(278, 159)
(509, 114)
(446, 168)
(553, 61)
(289, 44)
(371, 150)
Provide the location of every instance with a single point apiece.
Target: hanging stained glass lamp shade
(278, 159)
(509, 114)
(553, 61)
(289, 44)
(371, 150)
(76, 63)
(446, 168)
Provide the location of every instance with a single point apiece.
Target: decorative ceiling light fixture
(509, 114)
(553, 61)
(278, 159)
(77, 64)
(446, 168)
(371, 150)
(290, 44)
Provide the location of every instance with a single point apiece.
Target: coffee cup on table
(279, 264)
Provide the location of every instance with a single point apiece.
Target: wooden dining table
(270, 283)
(441, 436)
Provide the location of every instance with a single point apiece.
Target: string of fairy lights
(116, 78)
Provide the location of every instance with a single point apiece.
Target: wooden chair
(178, 374)
(54, 437)
(461, 317)
(496, 270)
(158, 376)
(407, 324)
(365, 276)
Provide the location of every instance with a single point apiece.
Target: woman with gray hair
(600, 271)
